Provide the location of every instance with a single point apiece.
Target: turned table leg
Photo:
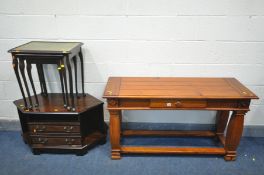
(234, 133)
(115, 133)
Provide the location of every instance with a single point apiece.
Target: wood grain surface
(180, 87)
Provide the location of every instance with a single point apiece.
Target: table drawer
(71, 127)
(177, 103)
(55, 141)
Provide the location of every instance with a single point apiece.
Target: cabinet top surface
(53, 103)
(180, 87)
(46, 47)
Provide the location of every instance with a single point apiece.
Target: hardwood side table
(42, 52)
(146, 93)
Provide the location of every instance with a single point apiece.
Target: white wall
(209, 38)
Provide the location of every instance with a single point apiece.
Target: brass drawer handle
(40, 129)
(178, 104)
(68, 128)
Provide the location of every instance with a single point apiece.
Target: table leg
(234, 133)
(15, 66)
(82, 70)
(75, 73)
(22, 71)
(60, 67)
(70, 82)
(32, 83)
(115, 133)
(43, 79)
(40, 78)
(221, 122)
(66, 84)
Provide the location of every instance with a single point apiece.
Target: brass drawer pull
(68, 128)
(40, 129)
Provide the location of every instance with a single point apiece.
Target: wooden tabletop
(180, 87)
(46, 47)
(53, 103)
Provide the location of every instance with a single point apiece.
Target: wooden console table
(220, 94)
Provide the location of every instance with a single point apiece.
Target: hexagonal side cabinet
(51, 128)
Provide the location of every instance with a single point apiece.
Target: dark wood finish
(43, 52)
(32, 84)
(75, 74)
(82, 70)
(43, 79)
(70, 82)
(22, 70)
(52, 128)
(15, 67)
(164, 93)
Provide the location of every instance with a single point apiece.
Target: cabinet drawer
(71, 127)
(55, 141)
(177, 103)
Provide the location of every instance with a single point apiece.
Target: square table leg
(115, 128)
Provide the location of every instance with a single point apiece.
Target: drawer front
(55, 141)
(36, 128)
(177, 103)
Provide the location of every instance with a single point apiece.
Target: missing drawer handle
(69, 141)
(42, 141)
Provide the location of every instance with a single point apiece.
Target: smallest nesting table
(42, 52)
(146, 93)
